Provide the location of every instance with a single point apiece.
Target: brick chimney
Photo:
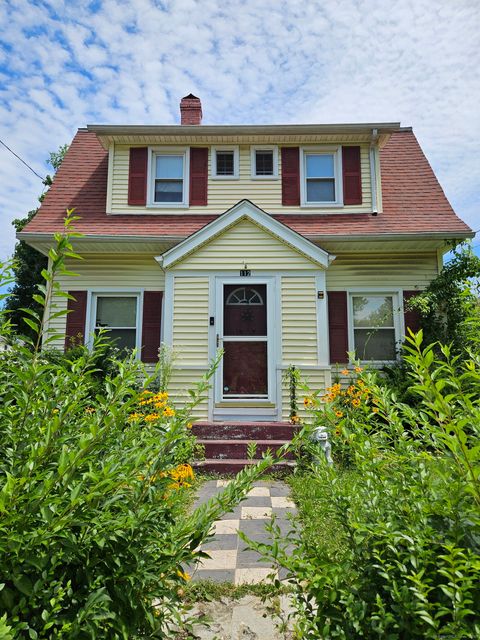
(191, 110)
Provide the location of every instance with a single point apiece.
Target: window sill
(321, 205)
(167, 205)
(225, 178)
(264, 177)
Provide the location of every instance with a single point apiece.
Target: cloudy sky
(66, 64)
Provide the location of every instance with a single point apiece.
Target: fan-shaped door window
(245, 341)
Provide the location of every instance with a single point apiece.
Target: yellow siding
(315, 379)
(182, 380)
(104, 270)
(402, 270)
(223, 194)
(299, 321)
(246, 242)
(190, 321)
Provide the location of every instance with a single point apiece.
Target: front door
(244, 379)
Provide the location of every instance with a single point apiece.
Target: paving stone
(279, 489)
(256, 513)
(284, 513)
(216, 575)
(258, 501)
(226, 526)
(224, 541)
(219, 559)
(235, 514)
(282, 502)
(251, 558)
(259, 492)
(252, 575)
(253, 527)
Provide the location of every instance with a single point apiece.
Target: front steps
(226, 443)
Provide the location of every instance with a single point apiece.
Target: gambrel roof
(414, 203)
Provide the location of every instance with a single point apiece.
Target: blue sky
(66, 64)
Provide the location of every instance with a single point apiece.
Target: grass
(206, 591)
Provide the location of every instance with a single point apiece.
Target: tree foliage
(28, 263)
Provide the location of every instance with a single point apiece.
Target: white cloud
(64, 65)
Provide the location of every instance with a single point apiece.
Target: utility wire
(21, 160)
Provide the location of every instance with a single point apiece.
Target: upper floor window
(264, 161)
(320, 176)
(225, 162)
(169, 177)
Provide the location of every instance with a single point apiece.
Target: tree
(28, 262)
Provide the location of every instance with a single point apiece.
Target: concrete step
(234, 465)
(218, 449)
(244, 430)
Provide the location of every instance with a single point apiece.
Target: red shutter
(352, 175)
(291, 176)
(151, 324)
(77, 309)
(198, 176)
(412, 318)
(338, 326)
(137, 176)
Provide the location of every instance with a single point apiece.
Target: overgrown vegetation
(94, 480)
(390, 546)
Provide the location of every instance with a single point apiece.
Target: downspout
(373, 170)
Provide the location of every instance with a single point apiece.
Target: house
(282, 244)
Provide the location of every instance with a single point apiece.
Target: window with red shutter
(137, 176)
(290, 176)
(352, 175)
(76, 316)
(151, 325)
(198, 176)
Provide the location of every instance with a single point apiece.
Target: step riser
(219, 431)
(238, 450)
(232, 467)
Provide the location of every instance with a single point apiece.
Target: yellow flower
(160, 397)
(308, 402)
(295, 419)
(189, 425)
(356, 402)
(159, 405)
(338, 431)
(345, 372)
(358, 369)
(339, 414)
(89, 410)
(151, 417)
(184, 575)
(134, 416)
(168, 412)
(375, 409)
(55, 411)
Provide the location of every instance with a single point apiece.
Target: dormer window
(168, 184)
(225, 162)
(264, 161)
(320, 173)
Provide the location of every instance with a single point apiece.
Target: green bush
(94, 533)
(404, 562)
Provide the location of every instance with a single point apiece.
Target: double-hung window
(118, 315)
(264, 162)
(320, 172)
(169, 178)
(374, 326)
(225, 162)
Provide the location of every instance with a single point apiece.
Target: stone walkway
(229, 560)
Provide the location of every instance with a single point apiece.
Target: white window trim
(174, 151)
(398, 321)
(236, 161)
(91, 314)
(337, 167)
(253, 158)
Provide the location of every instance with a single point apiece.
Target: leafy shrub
(405, 560)
(94, 533)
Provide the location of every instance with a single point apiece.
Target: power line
(21, 160)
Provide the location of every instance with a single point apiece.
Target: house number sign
(245, 272)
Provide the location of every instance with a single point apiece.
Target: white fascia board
(435, 235)
(245, 209)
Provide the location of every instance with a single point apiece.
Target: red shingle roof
(413, 200)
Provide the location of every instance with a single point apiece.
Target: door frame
(249, 406)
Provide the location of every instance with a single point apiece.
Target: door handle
(218, 340)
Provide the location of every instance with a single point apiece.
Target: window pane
(375, 344)
(373, 311)
(224, 163)
(168, 190)
(116, 312)
(320, 190)
(169, 167)
(264, 163)
(125, 339)
(320, 166)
